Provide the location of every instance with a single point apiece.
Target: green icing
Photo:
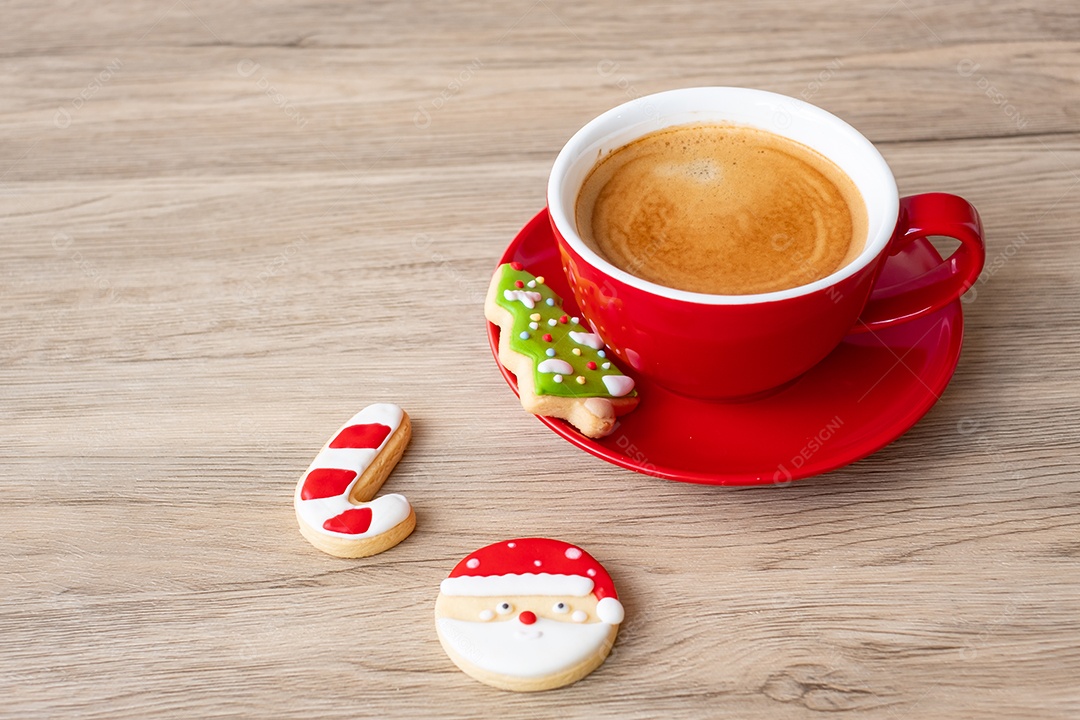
(535, 347)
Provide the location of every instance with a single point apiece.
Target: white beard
(529, 651)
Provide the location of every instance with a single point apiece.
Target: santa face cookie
(561, 366)
(528, 614)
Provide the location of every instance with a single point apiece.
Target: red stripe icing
(361, 436)
(350, 522)
(326, 482)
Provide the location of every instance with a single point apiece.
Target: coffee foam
(721, 209)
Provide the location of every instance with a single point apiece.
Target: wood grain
(228, 227)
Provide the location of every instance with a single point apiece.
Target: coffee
(721, 209)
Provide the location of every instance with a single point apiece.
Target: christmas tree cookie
(561, 366)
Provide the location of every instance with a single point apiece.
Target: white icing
(600, 407)
(507, 648)
(347, 458)
(553, 322)
(511, 584)
(552, 365)
(560, 608)
(589, 339)
(573, 553)
(525, 297)
(534, 326)
(557, 378)
(610, 611)
(386, 511)
(486, 615)
(606, 366)
(618, 385)
(579, 616)
(472, 563)
(504, 608)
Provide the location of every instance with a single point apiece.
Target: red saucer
(864, 395)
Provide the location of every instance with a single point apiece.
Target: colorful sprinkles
(540, 310)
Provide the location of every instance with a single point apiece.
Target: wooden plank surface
(229, 227)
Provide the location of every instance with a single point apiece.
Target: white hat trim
(610, 611)
(510, 584)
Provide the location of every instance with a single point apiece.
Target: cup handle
(922, 216)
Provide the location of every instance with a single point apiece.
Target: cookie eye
(579, 616)
(504, 608)
(560, 608)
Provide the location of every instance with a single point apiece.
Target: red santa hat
(535, 566)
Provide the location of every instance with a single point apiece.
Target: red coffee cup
(735, 346)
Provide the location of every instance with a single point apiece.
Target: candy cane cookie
(561, 366)
(333, 499)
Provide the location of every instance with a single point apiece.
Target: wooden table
(226, 229)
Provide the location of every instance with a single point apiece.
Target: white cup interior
(779, 114)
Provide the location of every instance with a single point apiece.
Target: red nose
(527, 618)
